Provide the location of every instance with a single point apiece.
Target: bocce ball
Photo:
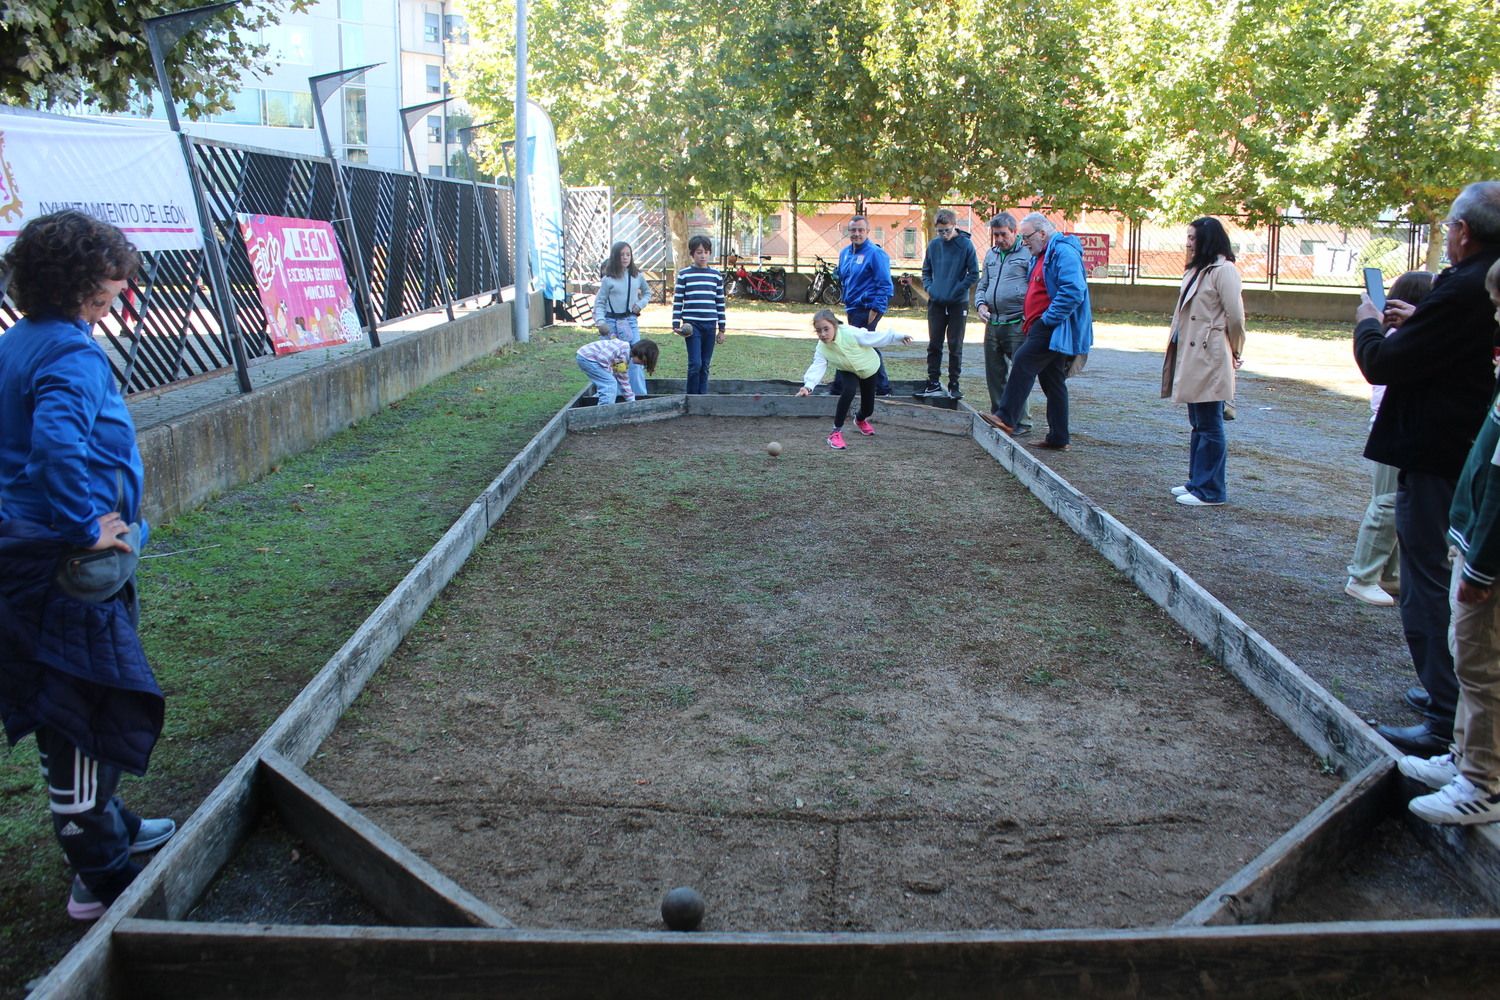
(773, 449)
(682, 909)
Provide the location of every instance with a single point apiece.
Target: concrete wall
(223, 445)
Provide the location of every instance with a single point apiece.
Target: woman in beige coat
(1208, 334)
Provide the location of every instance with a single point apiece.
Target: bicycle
(825, 284)
(769, 283)
(904, 296)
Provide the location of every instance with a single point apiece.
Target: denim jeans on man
(1035, 362)
(861, 318)
(628, 329)
(700, 350)
(606, 386)
(1208, 451)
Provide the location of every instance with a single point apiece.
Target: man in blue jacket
(1058, 325)
(949, 270)
(865, 274)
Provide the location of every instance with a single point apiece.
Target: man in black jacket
(1438, 368)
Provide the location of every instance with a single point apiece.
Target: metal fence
(1295, 251)
(170, 326)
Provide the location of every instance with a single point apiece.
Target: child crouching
(849, 349)
(606, 363)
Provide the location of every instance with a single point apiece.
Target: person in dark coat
(72, 670)
(1438, 370)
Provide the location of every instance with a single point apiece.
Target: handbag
(97, 575)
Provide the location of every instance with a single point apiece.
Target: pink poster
(1095, 253)
(300, 276)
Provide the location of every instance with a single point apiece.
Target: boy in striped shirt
(698, 312)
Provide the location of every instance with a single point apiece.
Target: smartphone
(1375, 287)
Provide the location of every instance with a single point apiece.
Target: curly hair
(59, 260)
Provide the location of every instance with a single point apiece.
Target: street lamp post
(523, 188)
(409, 117)
(324, 86)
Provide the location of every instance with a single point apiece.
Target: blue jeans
(628, 330)
(1207, 452)
(860, 317)
(606, 386)
(700, 348)
(1035, 362)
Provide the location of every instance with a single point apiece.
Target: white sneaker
(1178, 491)
(1459, 801)
(1434, 772)
(1189, 500)
(1370, 593)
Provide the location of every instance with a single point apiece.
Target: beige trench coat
(1209, 327)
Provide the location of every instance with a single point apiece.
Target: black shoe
(931, 387)
(1417, 697)
(955, 391)
(1421, 740)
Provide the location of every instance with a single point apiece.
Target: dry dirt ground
(877, 690)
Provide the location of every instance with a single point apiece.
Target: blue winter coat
(1070, 316)
(865, 274)
(75, 667)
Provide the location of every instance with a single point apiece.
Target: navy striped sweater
(698, 297)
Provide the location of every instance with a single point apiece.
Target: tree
(62, 52)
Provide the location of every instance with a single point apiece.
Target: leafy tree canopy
(61, 52)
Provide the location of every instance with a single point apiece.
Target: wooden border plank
(175, 879)
(397, 883)
(1309, 849)
(371, 963)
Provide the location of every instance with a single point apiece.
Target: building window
(289, 109)
(456, 29)
(356, 117)
(432, 28)
(355, 154)
(434, 128)
(435, 170)
(246, 109)
(290, 46)
(434, 79)
(909, 244)
(352, 10)
(352, 44)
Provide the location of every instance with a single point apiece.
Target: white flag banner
(134, 178)
(546, 204)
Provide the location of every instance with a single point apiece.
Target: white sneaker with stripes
(1459, 801)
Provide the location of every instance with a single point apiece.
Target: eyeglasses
(1028, 236)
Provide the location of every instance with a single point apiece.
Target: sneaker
(82, 904)
(932, 388)
(954, 392)
(1434, 772)
(836, 440)
(1459, 801)
(1178, 491)
(152, 834)
(1190, 500)
(1369, 593)
(864, 427)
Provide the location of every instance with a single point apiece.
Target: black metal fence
(169, 327)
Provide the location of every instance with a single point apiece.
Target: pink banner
(1095, 253)
(300, 276)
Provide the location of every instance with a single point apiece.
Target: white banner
(134, 178)
(546, 204)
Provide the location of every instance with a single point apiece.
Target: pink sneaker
(864, 427)
(836, 440)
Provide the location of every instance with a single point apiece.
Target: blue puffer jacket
(75, 667)
(1070, 317)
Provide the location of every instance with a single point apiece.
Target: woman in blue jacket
(72, 669)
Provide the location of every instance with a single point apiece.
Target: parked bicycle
(768, 283)
(825, 285)
(904, 296)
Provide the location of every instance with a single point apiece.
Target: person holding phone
(1203, 353)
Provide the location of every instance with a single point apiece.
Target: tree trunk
(677, 221)
(1434, 243)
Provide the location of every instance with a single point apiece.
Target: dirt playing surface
(876, 690)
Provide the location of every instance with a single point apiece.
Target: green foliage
(1345, 109)
(59, 52)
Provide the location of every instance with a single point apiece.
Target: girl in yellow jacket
(848, 349)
